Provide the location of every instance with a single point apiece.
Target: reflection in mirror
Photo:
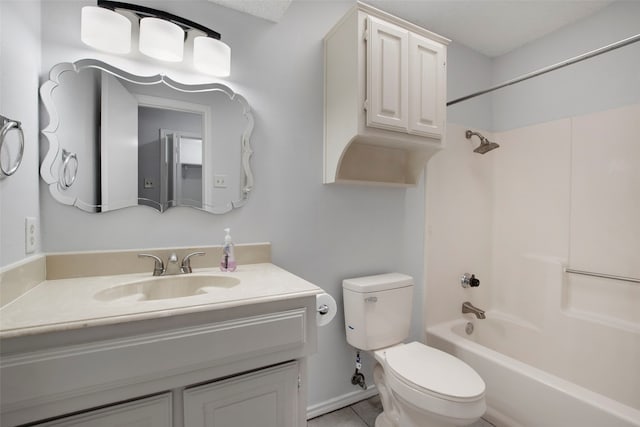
(119, 140)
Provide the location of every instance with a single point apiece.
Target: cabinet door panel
(150, 412)
(266, 398)
(426, 86)
(387, 64)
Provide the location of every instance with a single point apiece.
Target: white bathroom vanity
(105, 350)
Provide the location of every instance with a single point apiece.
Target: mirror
(118, 140)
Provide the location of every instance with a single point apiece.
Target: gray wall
(467, 72)
(19, 72)
(607, 81)
(321, 233)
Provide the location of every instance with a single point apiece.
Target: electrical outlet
(220, 181)
(148, 183)
(30, 235)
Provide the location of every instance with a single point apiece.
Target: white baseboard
(340, 402)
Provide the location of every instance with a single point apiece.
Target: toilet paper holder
(326, 309)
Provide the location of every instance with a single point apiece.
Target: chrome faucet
(159, 268)
(467, 307)
(185, 267)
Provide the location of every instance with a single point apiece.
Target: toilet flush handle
(371, 299)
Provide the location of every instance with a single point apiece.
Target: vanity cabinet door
(265, 398)
(152, 411)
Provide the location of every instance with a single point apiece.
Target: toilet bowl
(426, 387)
(419, 386)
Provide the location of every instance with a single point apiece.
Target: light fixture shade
(105, 30)
(161, 39)
(211, 56)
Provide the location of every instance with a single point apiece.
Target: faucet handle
(158, 267)
(469, 280)
(186, 262)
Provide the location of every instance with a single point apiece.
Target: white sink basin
(167, 287)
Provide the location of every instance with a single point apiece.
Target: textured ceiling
(271, 10)
(491, 27)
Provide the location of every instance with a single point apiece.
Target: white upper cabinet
(385, 95)
(427, 87)
(387, 75)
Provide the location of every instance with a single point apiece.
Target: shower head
(485, 145)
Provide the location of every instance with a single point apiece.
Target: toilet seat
(433, 380)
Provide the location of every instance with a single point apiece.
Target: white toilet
(419, 386)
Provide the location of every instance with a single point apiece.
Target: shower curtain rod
(575, 59)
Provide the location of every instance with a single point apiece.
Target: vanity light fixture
(161, 39)
(162, 35)
(105, 30)
(211, 56)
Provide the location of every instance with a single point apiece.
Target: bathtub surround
(529, 223)
(459, 227)
(562, 190)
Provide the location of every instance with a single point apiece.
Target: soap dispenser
(228, 260)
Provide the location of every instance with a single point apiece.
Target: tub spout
(467, 307)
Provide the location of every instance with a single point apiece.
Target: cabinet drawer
(30, 380)
(152, 411)
(265, 398)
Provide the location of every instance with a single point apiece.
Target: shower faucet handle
(469, 280)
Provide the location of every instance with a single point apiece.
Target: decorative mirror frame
(58, 182)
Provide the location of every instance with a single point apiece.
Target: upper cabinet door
(387, 75)
(427, 83)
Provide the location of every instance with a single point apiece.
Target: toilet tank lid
(378, 282)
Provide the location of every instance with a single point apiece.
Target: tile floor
(362, 414)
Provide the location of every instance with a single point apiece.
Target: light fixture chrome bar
(602, 275)
(147, 11)
(575, 59)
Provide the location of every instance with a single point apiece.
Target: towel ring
(65, 182)
(7, 126)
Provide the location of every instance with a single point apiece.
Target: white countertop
(58, 305)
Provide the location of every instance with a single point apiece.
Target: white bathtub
(519, 394)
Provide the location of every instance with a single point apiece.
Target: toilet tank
(377, 310)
